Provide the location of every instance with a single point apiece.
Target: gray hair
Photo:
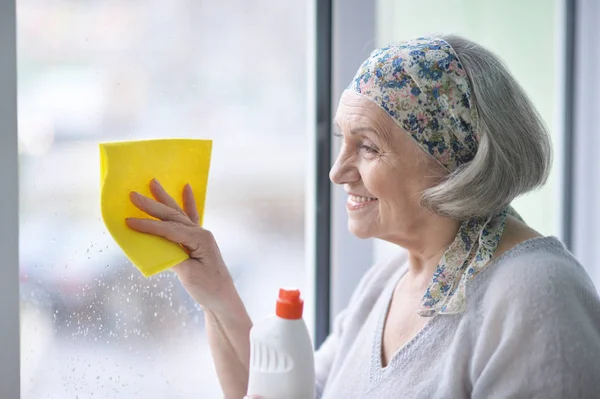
(515, 152)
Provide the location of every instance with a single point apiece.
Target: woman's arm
(206, 278)
(228, 337)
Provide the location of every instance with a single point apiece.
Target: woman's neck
(427, 242)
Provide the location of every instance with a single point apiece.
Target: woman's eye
(368, 149)
(338, 135)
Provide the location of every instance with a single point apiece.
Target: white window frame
(9, 206)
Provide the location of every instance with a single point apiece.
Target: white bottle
(281, 353)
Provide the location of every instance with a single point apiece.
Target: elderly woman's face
(382, 169)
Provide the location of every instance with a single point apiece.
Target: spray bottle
(281, 353)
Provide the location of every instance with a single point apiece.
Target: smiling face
(383, 171)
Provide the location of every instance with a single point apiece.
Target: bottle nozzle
(289, 304)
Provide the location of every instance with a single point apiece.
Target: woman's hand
(204, 275)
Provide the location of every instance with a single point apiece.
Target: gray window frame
(10, 366)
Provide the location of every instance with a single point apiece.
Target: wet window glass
(95, 71)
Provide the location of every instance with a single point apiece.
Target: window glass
(94, 71)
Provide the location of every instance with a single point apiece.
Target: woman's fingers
(189, 204)
(173, 231)
(161, 195)
(158, 210)
(174, 224)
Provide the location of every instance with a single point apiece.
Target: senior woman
(437, 140)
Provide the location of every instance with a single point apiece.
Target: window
(89, 72)
(583, 58)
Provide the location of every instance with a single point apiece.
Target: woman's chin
(359, 230)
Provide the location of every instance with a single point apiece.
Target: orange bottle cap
(289, 304)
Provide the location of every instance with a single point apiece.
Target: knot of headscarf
(422, 85)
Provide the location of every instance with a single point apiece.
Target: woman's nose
(343, 171)
(334, 173)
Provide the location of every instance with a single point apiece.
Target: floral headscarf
(422, 85)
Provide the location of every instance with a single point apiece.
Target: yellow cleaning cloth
(129, 166)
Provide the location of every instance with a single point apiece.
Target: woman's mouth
(356, 202)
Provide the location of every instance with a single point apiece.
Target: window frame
(321, 224)
(581, 128)
(568, 11)
(10, 366)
